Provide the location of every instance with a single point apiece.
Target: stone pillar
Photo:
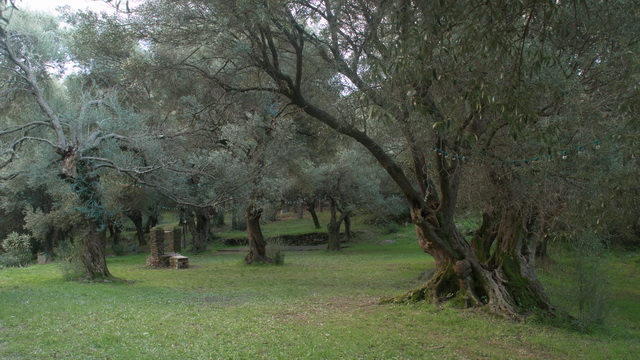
(156, 247)
(175, 243)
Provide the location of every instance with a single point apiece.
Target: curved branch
(28, 126)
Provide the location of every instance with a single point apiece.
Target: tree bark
(257, 244)
(311, 208)
(347, 226)
(335, 222)
(333, 228)
(93, 252)
(136, 217)
(201, 230)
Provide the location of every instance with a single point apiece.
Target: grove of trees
(524, 113)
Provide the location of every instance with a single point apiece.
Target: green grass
(319, 305)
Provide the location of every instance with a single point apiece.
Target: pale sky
(51, 5)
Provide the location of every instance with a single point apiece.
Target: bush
(275, 250)
(17, 250)
(389, 227)
(70, 264)
(119, 249)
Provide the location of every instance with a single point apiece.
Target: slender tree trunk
(311, 208)
(333, 228)
(347, 226)
(300, 209)
(257, 244)
(136, 218)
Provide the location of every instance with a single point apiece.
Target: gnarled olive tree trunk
(94, 250)
(257, 244)
(86, 184)
(496, 269)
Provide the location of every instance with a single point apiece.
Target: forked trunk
(503, 279)
(136, 218)
(93, 252)
(311, 208)
(257, 244)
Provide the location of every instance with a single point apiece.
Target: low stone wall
(293, 240)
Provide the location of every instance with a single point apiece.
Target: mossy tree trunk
(86, 184)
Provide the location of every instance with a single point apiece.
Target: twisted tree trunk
(94, 250)
(257, 244)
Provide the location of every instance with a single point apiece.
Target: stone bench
(179, 262)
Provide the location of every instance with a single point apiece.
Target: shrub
(17, 250)
(275, 250)
(70, 263)
(389, 227)
(119, 249)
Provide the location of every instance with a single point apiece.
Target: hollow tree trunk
(136, 217)
(311, 208)
(257, 244)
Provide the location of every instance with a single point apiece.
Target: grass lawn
(318, 305)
